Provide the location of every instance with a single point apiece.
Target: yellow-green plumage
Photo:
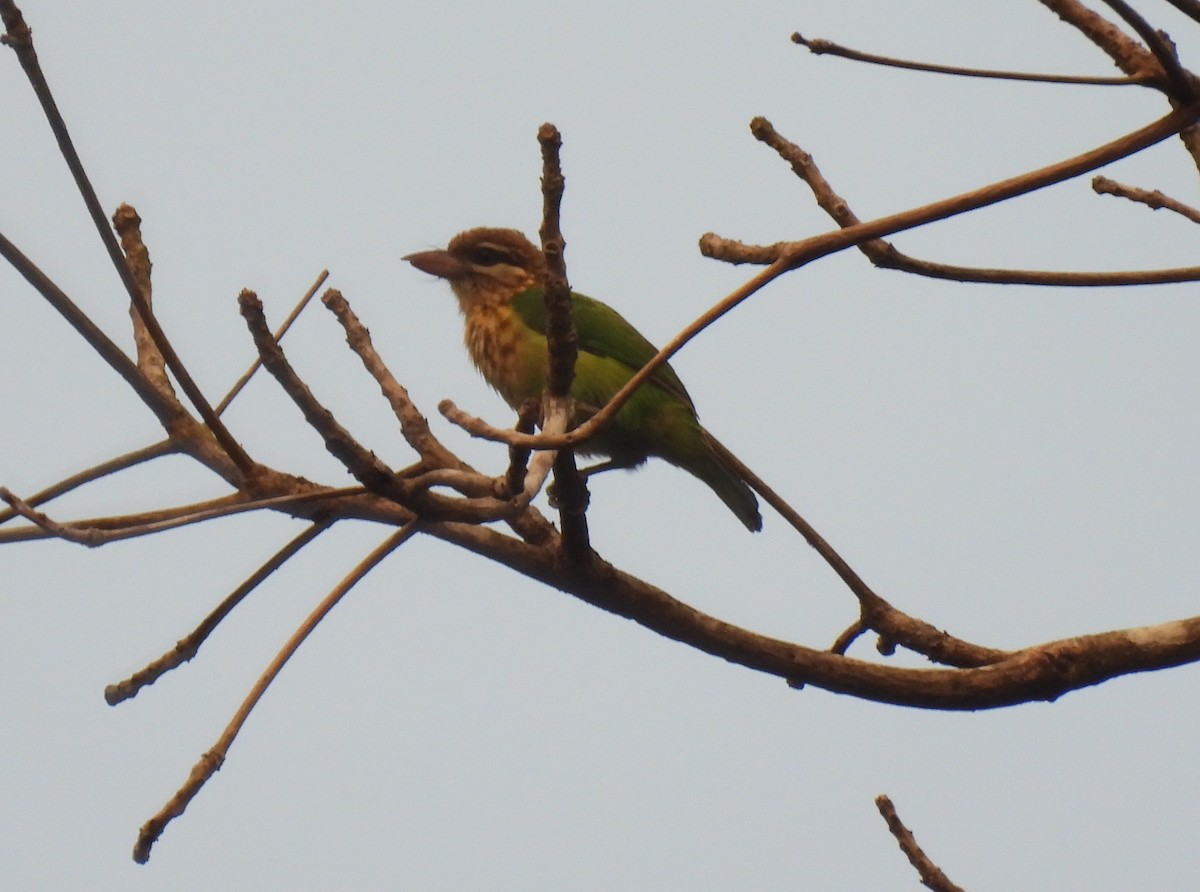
(497, 275)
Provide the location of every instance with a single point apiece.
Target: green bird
(499, 277)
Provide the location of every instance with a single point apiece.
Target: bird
(499, 278)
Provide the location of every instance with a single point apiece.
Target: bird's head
(485, 267)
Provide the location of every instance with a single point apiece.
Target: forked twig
(884, 254)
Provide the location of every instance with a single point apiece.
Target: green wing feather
(602, 331)
(660, 418)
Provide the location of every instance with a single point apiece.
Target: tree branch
(212, 760)
(818, 46)
(931, 875)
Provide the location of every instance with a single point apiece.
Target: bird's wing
(604, 332)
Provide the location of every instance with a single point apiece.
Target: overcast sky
(1011, 464)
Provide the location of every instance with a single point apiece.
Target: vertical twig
(563, 344)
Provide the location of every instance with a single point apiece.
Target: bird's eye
(488, 255)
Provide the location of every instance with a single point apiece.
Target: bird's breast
(498, 343)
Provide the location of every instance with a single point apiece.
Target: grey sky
(1011, 464)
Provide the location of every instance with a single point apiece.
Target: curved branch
(1041, 672)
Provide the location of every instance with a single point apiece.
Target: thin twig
(212, 760)
(819, 46)
(188, 646)
(113, 465)
(69, 533)
(931, 875)
(1153, 199)
(101, 531)
(20, 38)
(849, 635)
(885, 255)
(167, 410)
(279, 333)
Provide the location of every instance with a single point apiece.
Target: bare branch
(112, 466)
(1040, 672)
(851, 634)
(1126, 53)
(366, 467)
(20, 38)
(212, 760)
(518, 456)
(1155, 199)
(359, 461)
(876, 613)
(819, 46)
(279, 333)
(886, 255)
(80, 536)
(931, 875)
(101, 531)
(1190, 8)
(1179, 84)
(189, 646)
(560, 330)
(563, 347)
(150, 359)
(167, 410)
(413, 425)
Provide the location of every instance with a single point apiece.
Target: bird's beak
(438, 263)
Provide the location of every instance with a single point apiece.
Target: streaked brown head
(485, 265)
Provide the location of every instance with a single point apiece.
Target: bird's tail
(721, 475)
